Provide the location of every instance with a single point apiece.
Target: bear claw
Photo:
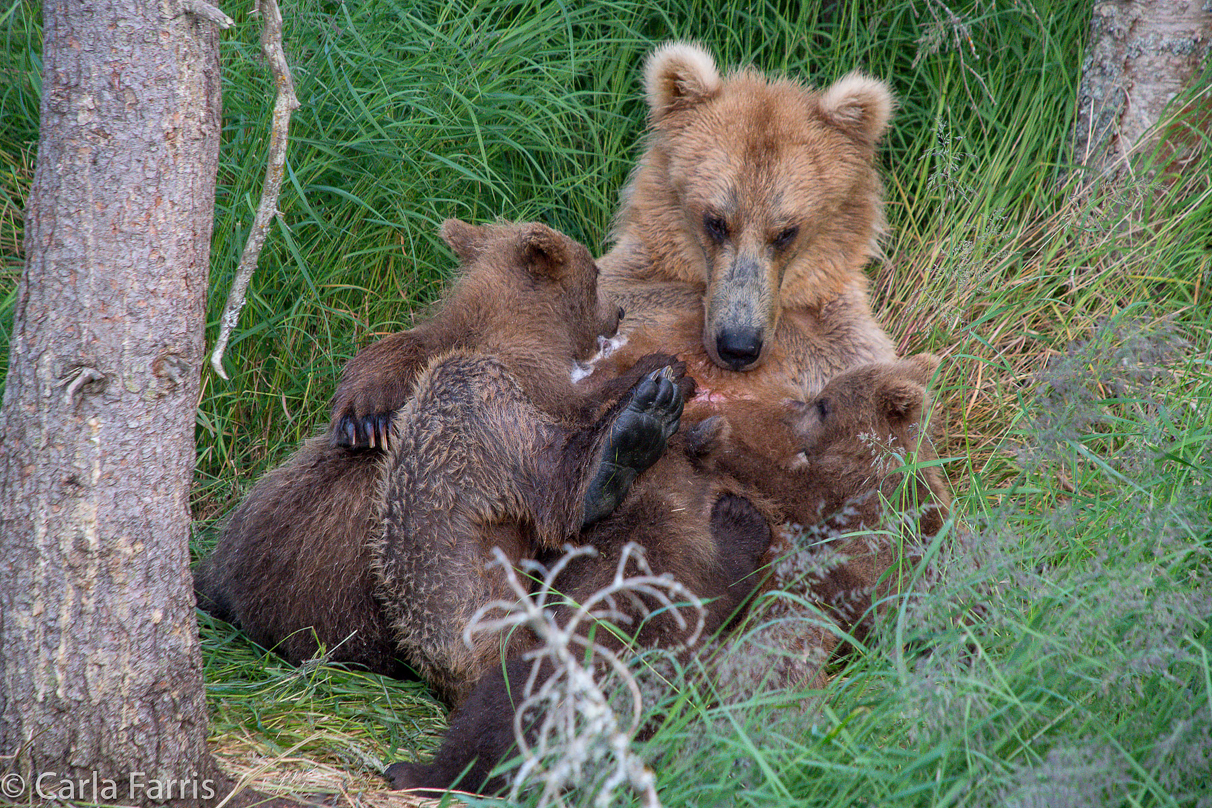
(367, 432)
(635, 440)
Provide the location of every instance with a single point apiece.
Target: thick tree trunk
(100, 671)
(1142, 53)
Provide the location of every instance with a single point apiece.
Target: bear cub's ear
(677, 76)
(903, 397)
(544, 252)
(467, 240)
(900, 400)
(807, 420)
(707, 436)
(858, 105)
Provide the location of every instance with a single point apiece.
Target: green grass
(1076, 332)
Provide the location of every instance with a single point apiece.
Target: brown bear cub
(499, 447)
(293, 566)
(832, 466)
(854, 478)
(487, 454)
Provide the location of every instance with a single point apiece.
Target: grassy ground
(1075, 394)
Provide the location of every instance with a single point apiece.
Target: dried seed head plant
(570, 738)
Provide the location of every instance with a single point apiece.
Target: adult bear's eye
(822, 408)
(716, 227)
(784, 239)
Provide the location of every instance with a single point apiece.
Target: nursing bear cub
(856, 484)
(382, 556)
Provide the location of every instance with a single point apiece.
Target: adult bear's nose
(739, 348)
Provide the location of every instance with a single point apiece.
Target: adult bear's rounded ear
(543, 251)
(678, 75)
(467, 240)
(858, 105)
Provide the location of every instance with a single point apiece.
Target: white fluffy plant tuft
(578, 743)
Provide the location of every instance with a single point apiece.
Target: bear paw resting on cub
(634, 442)
(835, 462)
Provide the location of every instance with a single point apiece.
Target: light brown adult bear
(747, 223)
(833, 465)
(751, 216)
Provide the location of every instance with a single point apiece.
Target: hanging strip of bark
(284, 104)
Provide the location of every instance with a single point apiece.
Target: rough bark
(100, 671)
(1142, 53)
